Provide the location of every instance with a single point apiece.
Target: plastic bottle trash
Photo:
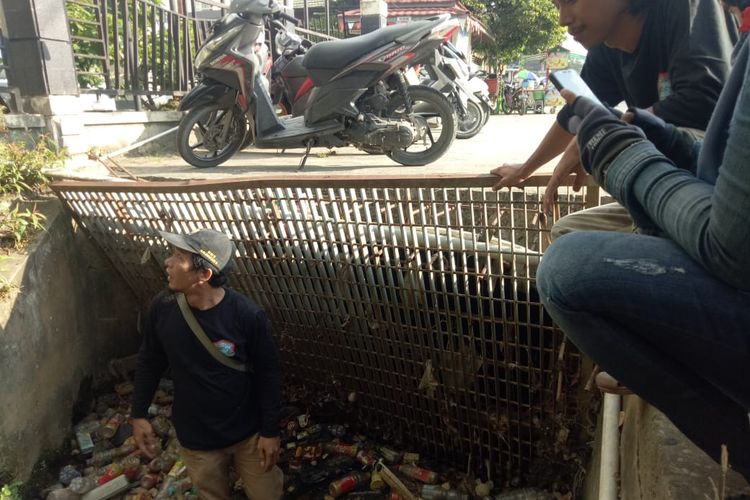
(105, 457)
(389, 455)
(85, 443)
(523, 494)
(108, 490)
(62, 494)
(111, 472)
(82, 485)
(110, 428)
(341, 449)
(348, 483)
(67, 474)
(376, 481)
(437, 492)
(418, 473)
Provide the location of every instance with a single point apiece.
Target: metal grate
(417, 293)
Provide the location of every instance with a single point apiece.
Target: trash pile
(322, 458)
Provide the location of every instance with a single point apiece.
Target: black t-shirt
(214, 406)
(679, 66)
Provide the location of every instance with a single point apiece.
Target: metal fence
(144, 47)
(138, 47)
(416, 293)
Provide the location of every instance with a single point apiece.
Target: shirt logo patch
(226, 347)
(663, 85)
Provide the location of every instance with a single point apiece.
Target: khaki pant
(209, 471)
(609, 217)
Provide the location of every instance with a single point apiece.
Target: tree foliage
(518, 27)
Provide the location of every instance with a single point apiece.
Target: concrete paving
(504, 139)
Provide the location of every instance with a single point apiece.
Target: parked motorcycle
(448, 72)
(357, 95)
(515, 98)
(290, 84)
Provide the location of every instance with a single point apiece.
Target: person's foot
(607, 383)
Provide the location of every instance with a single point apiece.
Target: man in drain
(227, 385)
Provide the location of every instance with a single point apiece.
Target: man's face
(181, 275)
(590, 22)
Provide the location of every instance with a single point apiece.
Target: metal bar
(163, 65)
(154, 58)
(116, 44)
(127, 62)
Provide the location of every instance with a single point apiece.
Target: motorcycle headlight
(212, 44)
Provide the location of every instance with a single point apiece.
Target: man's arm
(266, 368)
(551, 146)
(150, 365)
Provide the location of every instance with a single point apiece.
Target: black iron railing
(145, 47)
(138, 47)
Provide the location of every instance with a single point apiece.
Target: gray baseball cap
(213, 246)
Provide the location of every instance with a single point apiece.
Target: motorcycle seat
(338, 54)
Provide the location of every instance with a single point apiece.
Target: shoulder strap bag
(201, 335)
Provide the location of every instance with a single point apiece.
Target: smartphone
(569, 79)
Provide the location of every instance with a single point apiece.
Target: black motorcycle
(516, 98)
(358, 93)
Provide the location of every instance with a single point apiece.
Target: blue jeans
(659, 323)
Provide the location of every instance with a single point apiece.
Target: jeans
(659, 323)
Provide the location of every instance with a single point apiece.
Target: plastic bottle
(348, 483)
(82, 485)
(85, 443)
(67, 474)
(523, 494)
(104, 457)
(341, 449)
(110, 473)
(418, 473)
(62, 494)
(376, 481)
(110, 428)
(437, 492)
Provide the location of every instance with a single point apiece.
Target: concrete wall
(106, 131)
(70, 316)
(658, 462)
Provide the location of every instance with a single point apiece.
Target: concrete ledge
(131, 117)
(658, 461)
(24, 121)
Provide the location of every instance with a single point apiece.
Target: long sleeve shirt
(679, 66)
(214, 406)
(706, 213)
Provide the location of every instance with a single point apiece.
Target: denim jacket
(707, 214)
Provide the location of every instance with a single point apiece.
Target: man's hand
(569, 164)
(144, 436)
(601, 136)
(511, 174)
(269, 452)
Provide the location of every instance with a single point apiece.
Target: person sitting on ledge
(667, 314)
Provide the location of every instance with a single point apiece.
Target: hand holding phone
(572, 81)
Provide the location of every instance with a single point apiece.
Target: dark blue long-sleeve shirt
(214, 406)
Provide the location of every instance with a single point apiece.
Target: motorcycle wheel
(522, 107)
(472, 123)
(433, 114)
(199, 135)
(506, 107)
(487, 112)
